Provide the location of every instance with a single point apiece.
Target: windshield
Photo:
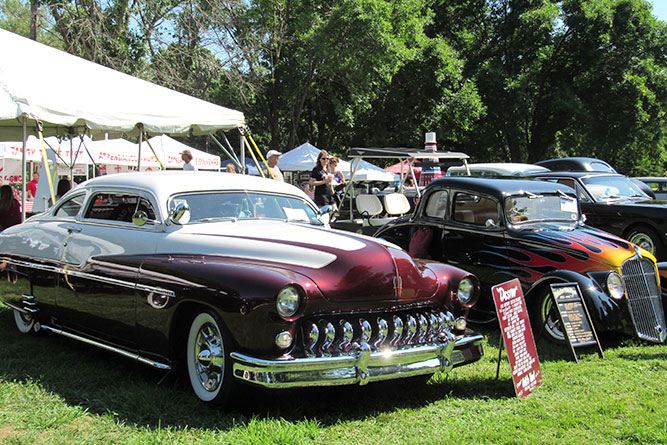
(213, 206)
(609, 188)
(540, 208)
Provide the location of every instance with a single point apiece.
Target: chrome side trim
(89, 276)
(17, 308)
(122, 352)
(359, 367)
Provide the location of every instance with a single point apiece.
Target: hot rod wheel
(546, 320)
(209, 367)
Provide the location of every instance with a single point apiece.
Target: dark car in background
(614, 203)
(658, 184)
(577, 164)
(500, 229)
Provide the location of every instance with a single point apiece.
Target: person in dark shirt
(10, 209)
(321, 179)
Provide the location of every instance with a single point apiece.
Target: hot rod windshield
(211, 206)
(540, 208)
(609, 188)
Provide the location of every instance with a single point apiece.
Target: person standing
(186, 156)
(32, 185)
(230, 168)
(321, 179)
(272, 158)
(10, 209)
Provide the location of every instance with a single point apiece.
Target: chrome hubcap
(644, 241)
(209, 357)
(550, 318)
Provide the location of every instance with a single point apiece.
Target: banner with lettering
(516, 330)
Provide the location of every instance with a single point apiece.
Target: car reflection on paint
(234, 279)
(500, 229)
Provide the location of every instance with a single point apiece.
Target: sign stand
(575, 318)
(517, 336)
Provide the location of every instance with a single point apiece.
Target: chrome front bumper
(360, 367)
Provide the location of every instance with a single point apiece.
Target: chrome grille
(341, 334)
(644, 299)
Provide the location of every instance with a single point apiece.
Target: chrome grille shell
(642, 289)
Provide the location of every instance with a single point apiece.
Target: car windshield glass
(610, 188)
(216, 206)
(540, 208)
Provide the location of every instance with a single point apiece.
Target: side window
(475, 209)
(117, 207)
(436, 207)
(71, 207)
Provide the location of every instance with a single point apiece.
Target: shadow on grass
(103, 383)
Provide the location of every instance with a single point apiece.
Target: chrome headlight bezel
(465, 292)
(288, 301)
(615, 286)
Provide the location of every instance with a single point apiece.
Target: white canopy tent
(42, 87)
(304, 158)
(89, 98)
(169, 151)
(71, 156)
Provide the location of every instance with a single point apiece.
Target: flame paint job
(536, 253)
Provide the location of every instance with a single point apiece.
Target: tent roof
(301, 158)
(63, 91)
(169, 150)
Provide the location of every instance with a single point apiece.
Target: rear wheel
(25, 323)
(546, 319)
(208, 362)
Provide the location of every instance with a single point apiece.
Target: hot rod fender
(607, 313)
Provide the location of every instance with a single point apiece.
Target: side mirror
(140, 218)
(490, 223)
(180, 214)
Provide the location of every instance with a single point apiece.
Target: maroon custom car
(235, 278)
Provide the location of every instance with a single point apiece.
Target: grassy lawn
(55, 390)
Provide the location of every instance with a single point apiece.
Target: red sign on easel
(515, 327)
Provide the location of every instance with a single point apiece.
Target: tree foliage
(504, 80)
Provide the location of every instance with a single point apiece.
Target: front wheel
(208, 363)
(646, 238)
(24, 323)
(546, 319)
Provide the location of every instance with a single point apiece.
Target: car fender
(606, 312)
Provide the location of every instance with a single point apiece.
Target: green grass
(55, 390)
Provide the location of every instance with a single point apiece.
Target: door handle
(73, 229)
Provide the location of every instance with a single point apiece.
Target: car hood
(575, 247)
(647, 203)
(344, 266)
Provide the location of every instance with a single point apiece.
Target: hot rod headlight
(466, 291)
(615, 286)
(287, 302)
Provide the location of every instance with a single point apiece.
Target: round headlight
(287, 302)
(466, 290)
(615, 286)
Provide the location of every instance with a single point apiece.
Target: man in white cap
(272, 158)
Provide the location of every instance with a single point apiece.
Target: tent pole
(243, 169)
(141, 134)
(25, 139)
